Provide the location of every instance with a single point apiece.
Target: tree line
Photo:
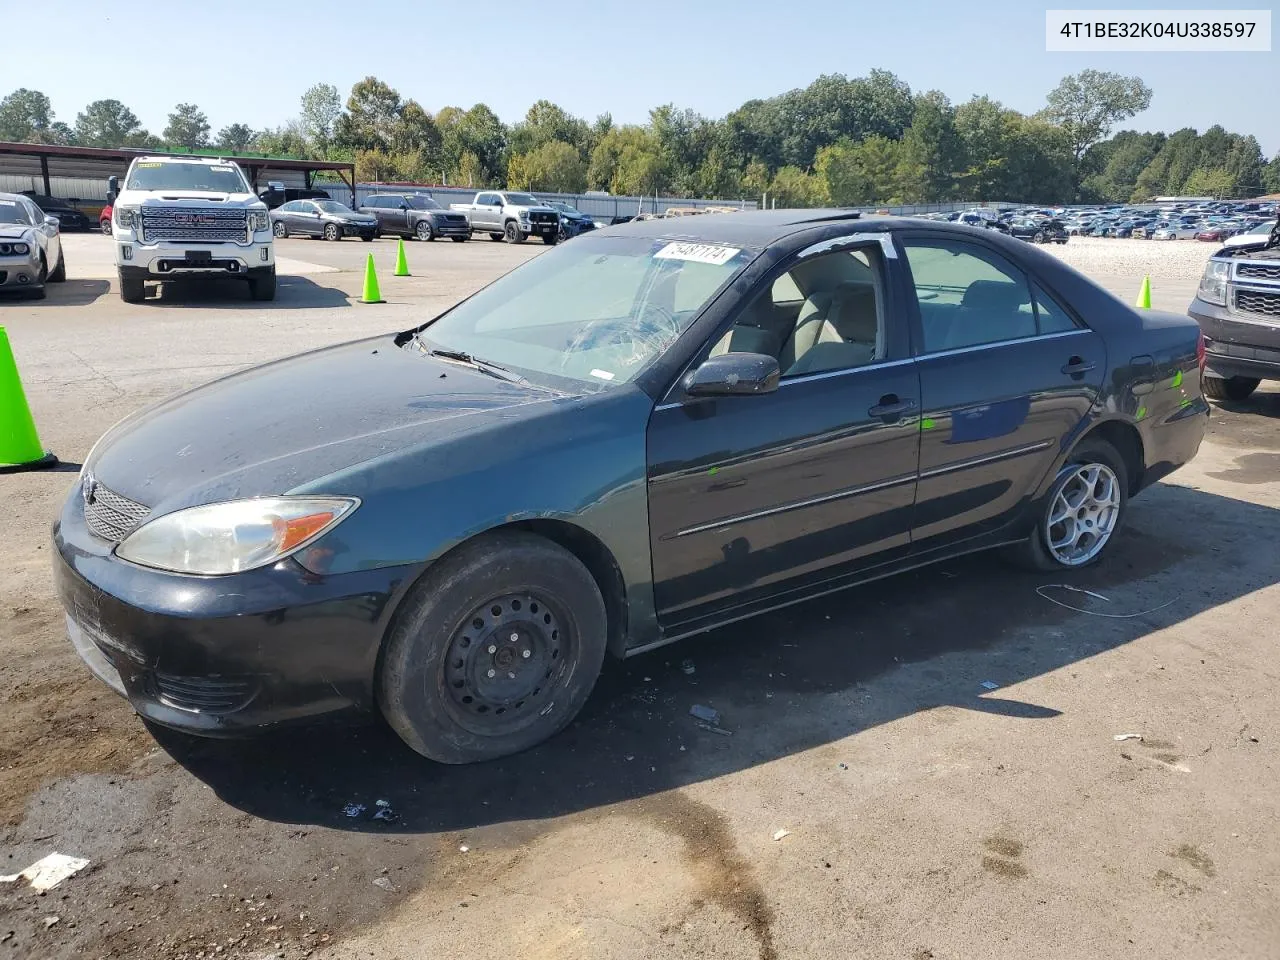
(841, 141)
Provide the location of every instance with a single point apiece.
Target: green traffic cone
(402, 265)
(371, 293)
(1144, 295)
(19, 444)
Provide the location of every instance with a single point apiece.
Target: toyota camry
(654, 430)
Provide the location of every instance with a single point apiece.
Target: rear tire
(495, 236)
(133, 291)
(511, 233)
(1091, 512)
(456, 687)
(263, 288)
(1237, 389)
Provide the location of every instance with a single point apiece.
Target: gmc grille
(1258, 271)
(204, 224)
(1258, 302)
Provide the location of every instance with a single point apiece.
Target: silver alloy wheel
(1083, 514)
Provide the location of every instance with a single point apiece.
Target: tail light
(1200, 352)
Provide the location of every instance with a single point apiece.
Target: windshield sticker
(8, 203)
(221, 167)
(602, 374)
(711, 253)
(149, 165)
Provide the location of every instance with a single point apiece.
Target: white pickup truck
(182, 217)
(511, 216)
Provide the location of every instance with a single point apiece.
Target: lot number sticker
(698, 252)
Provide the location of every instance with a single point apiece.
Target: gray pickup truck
(1238, 309)
(510, 216)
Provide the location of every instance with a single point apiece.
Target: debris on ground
(463, 848)
(353, 809)
(708, 714)
(1126, 736)
(989, 685)
(50, 921)
(385, 812)
(688, 668)
(384, 884)
(47, 872)
(778, 835)
(714, 729)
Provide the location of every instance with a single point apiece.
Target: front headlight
(1213, 285)
(259, 220)
(21, 248)
(127, 217)
(523, 214)
(231, 537)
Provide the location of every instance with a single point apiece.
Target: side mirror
(733, 374)
(52, 222)
(113, 188)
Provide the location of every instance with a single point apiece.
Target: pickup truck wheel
(495, 236)
(550, 239)
(263, 288)
(423, 231)
(133, 291)
(331, 232)
(512, 234)
(279, 229)
(1238, 389)
(494, 650)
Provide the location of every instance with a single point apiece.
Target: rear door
(483, 214)
(754, 497)
(1007, 374)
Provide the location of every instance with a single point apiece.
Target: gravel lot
(928, 816)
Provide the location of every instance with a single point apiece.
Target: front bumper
(359, 229)
(169, 258)
(19, 272)
(217, 656)
(441, 229)
(1235, 345)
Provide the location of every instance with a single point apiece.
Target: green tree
(1087, 104)
(321, 107)
(931, 150)
(235, 138)
(793, 187)
(188, 127)
(283, 141)
(26, 116)
(109, 123)
(1271, 175)
(1210, 182)
(554, 166)
(373, 109)
(1112, 167)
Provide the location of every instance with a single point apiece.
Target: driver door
(752, 498)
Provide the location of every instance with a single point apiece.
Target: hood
(192, 198)
(13, 231)
(271, 429)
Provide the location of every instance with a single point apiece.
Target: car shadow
(76, 293)
(800, 678)
(292, 293)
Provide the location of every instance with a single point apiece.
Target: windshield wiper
(484, 366)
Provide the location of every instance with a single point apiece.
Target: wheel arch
(1127, 441)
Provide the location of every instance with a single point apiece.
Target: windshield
(523, 200)
(11, 211)
(596, 311)
(212, 177)
(333, 206)
(563, 207)
(423, 203)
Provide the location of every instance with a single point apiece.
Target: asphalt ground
(929, 814)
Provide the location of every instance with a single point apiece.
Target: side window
(35, 214)
(1050, 315)
(484, 199)
(372, 203)
(825, 313)
(968, 295)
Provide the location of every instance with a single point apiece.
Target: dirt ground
(928, 813)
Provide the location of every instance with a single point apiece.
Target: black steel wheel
(495, 650)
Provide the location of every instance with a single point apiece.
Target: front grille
(215, 695)
(109, 515)
(1259, 271)
(544, 217)
(1258, 302)
(207, 225)
(454, 218)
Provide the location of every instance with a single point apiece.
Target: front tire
(423, 231)
(105, 227)
(550, 239)
(133, 291)
(1084, 509)
(279, 229)
(1237, 389)
(263, 288)
(511, 233)
(495, 650)
(331, 232)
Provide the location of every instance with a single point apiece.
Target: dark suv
(1038, 231)
(414, 215)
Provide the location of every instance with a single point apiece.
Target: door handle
(1077, 366)
(890, 407)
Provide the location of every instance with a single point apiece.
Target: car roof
(204, 161)
(753, 228)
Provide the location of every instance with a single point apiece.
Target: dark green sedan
(652, 431)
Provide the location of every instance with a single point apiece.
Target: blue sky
(593, 57)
